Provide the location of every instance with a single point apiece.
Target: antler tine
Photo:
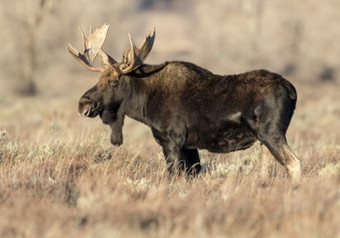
(83, 37)
(82, 59)
(134, 60)
(138, 55)
(92, 45)
(90, 30)
(146, 46)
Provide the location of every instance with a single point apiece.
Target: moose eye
(114, 83)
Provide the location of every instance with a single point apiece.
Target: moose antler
(134, 57)
(92, 45)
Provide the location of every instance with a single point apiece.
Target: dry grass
(60, 177)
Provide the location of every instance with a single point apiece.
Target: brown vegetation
(60, 177)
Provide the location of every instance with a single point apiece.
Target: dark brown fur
(189, 108)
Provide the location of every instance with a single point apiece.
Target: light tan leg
(267, 162)
(292, 163)
(285, 156)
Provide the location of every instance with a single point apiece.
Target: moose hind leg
(293, 164)
(271, 122)
(192, 161)
(285, 156)
(267, 162)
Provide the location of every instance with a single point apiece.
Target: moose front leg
(173, 157)
(172, 153)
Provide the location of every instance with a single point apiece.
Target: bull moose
(187, 107)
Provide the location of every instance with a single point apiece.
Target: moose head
(105, 97)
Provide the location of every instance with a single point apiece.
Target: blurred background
(40, 83)
(299, 39)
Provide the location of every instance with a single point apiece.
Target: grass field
(60, 177)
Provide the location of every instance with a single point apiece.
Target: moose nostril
(87, 112)
(84, 110)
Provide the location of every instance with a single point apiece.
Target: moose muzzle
(88, 108)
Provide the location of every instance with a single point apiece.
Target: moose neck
(141, 83)
(134, 103)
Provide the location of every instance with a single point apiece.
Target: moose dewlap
(187, 107)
